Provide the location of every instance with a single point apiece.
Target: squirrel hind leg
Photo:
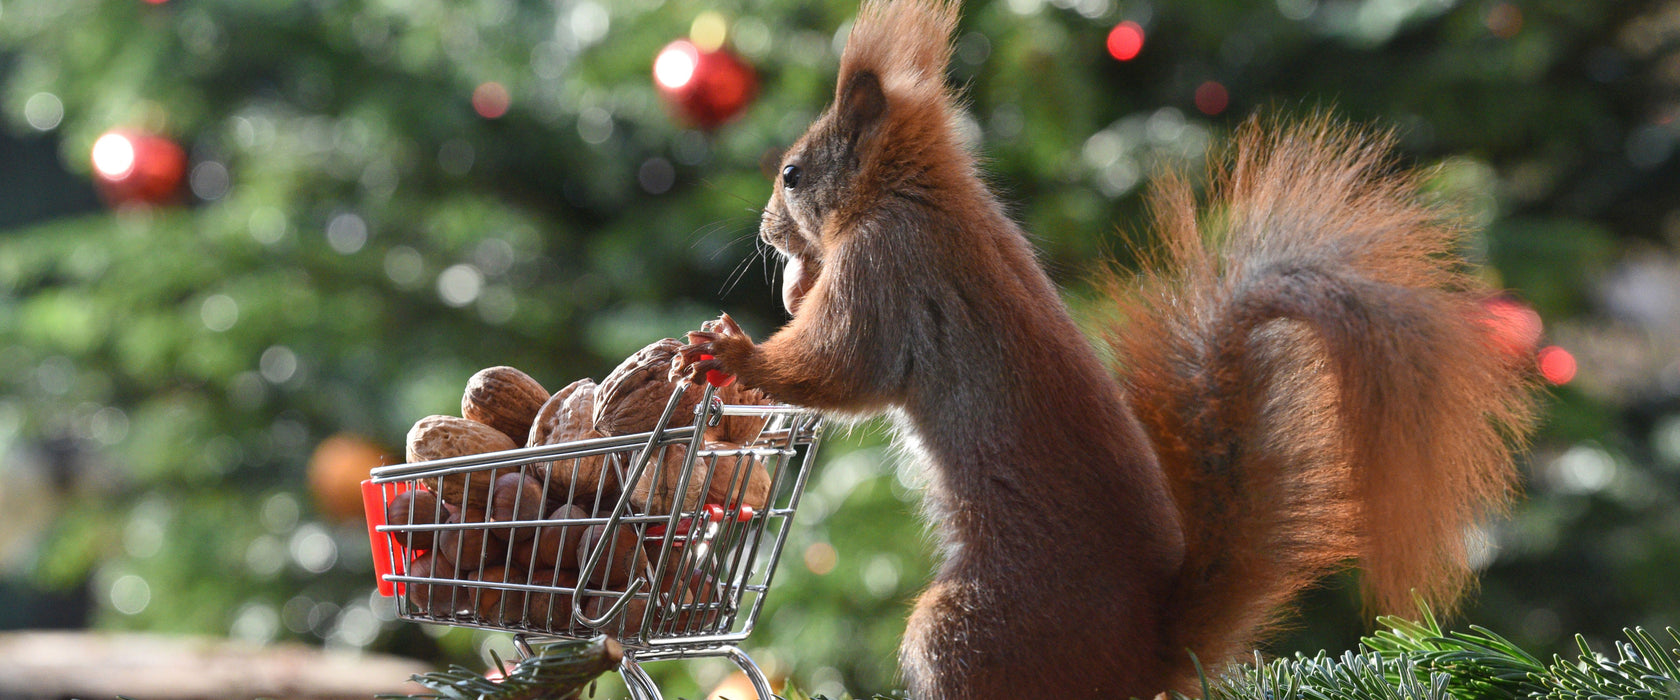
(977, 641)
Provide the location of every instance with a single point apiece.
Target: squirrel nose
(769, 222)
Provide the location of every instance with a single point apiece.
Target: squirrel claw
(698, 359)
(694, 362)
(698, 338)
(698, 351)
(698, 344)
(722, 325)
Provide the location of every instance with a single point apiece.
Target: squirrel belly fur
(1301, 379)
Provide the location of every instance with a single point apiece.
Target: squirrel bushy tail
(1308, 354)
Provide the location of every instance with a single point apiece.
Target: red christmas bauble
(707, 88)
(136, 167)
(1125, 41)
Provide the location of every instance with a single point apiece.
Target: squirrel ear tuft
(861, 103)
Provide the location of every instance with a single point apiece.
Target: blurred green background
(379, 197)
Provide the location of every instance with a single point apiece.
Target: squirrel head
(889, 141)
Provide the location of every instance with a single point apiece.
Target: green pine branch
(557, 671)
(1417, 661)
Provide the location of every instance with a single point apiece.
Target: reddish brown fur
(1306, 393)
(1379, 432)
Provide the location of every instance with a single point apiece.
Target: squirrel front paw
(715, 353)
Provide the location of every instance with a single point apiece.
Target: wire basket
(658, 539)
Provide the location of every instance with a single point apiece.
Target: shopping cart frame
(733, 547)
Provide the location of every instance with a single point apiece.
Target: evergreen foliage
(559, 670)
(1417, 661)
(356, 240)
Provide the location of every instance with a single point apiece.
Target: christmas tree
(246, 245)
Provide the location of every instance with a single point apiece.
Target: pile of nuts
(504, 409)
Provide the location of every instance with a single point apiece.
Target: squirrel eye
(790, 176)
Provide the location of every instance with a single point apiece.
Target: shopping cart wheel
(642, 687)
(636, 680)
(760, 684)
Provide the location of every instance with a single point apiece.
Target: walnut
(569, 416)
(631, 399)
(442, 437)
(503, 398)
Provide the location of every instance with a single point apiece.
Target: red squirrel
(1302, 379)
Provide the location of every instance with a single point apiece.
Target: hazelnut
(554, 545)
(628, 623)
(551, 611)
(623, 560)
(497, 604)
(468, 548)
(515, 496)
(720, 475)
(433, 598)
(415, 507)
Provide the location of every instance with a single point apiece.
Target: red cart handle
(717, 378)
(386, 547)
(711, 512)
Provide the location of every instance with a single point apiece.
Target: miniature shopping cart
(668, 581)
